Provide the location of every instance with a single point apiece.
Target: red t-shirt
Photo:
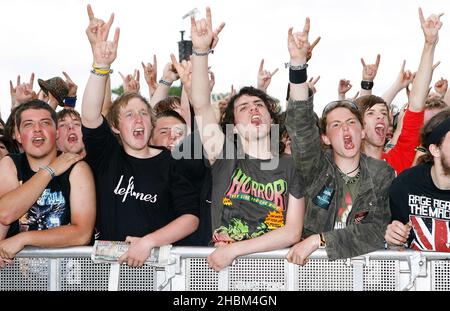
(401, 156)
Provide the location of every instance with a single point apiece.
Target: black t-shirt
(135, 196)
(190, 153)
(415, 198)
(250, 196)
(52, 209)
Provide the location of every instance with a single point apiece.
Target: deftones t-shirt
(135, 196)
(414, 198)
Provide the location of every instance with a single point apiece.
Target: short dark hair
(368, 101)
(170, 113)
(68, 112)
(228, 114)
(10, 145)
(433, 123)
(35, 104)
(165, 114)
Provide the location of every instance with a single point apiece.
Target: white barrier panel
(71, 269)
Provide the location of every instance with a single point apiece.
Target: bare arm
(203, 38)
(82, 219)
(162, 91)
(404, 78)
(15, 200)
(419, 90)
(104, 53)
(3, 233)
(279, 238)
(176, 230)
(150, 75)
(186, 109)
(107, 102)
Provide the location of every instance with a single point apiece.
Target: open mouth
(380, 130)
(348, 142)
(73, 138)
(256, 120)
(38, 141)
(138, 133)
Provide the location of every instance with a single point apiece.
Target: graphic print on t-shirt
(128, 190)
(430, 220)
(256, 207)
(48, 211)
(344, 211)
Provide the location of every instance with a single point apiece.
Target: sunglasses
(339, 103)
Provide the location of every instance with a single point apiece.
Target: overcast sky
(47, 37)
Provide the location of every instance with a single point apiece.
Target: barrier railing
(69, 269)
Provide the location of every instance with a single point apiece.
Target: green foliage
(117, 91)
(175, 91)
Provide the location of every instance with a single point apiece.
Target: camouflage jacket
(370, 214)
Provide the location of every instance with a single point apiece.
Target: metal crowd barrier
(71, 269)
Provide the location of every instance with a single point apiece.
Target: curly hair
(228, 114)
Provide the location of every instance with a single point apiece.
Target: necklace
(348, 179)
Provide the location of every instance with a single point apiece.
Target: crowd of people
(237, 174)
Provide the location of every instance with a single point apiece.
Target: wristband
(202, 53)
(298, 76)
(70, 101)
(102, 72)
(165, 82)
(366, 85)
(293, 67)
(49, 170)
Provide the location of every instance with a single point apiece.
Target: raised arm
(107, 102)
(298, 46)
(23, 92)
(441, 87)
(301, 121)
(343, 87)
(131, 82)
(162, 91)
(419, 90)
(264, 77)
(368, 75)
(104, 53)
(203, 39)
(404, 78)
(150, 74)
